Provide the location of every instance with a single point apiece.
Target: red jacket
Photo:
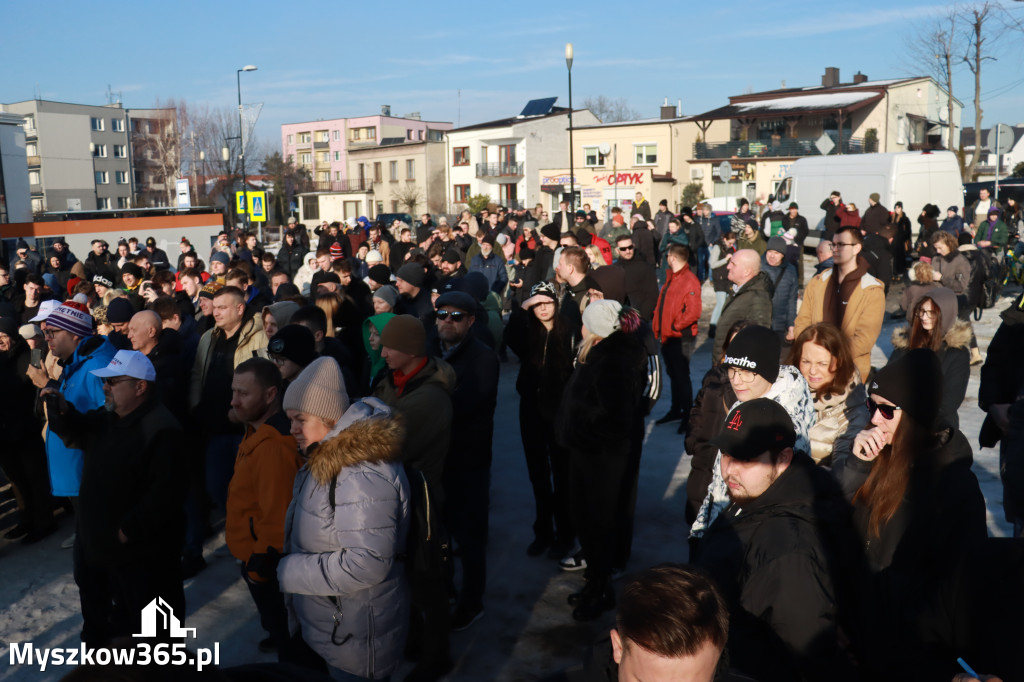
(604, 247)
(678, 306)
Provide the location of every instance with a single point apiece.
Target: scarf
(402, 379)
(838, 294)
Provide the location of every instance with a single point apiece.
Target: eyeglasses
(744, 376)
(888, 411)
(114, 381)
(626, 248)
(50, 333)
(456, 315)
(839, 245)
(926, 312)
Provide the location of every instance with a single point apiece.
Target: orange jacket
(261, 489)
(678, 307)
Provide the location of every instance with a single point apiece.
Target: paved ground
(528, 629)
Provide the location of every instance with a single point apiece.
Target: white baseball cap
(128, 363)
(45, 308)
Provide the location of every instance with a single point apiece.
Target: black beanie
(913, 383)
(295, 342)
(380, 273)
(132, 269)
(756, 349)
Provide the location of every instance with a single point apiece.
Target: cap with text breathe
(756, 349)
(128, 363)
(754, 427)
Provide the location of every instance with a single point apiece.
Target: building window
(461, 194)
(646, 154)
(101, 177)
(355, 133)
(99, 150)
(394, 205)
(311, 207)
(408, 133)
(509, 195)
(306, 158)
(410, 169)
(34, 178)
(380, 207)
(139, 177)
(419, 134)
(393, 171)
(120, 151)
(291, 139)
(103, 203)
(117, 125)
(435, 135)
(31, 149)
(323, 157)
(378, 173)
(305, 138)
(460, 156)
(97, 123)
(122, 202)
(361, 171)
(592, 157)
(37, 205)
(337, 156)
(337, 175)
(322, 136)
(337, 135)
(371, 133)
(121, 177)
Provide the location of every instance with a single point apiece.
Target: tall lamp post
(572, 169)
(241, 143)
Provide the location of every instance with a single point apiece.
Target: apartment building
(155, 155)
(15, 202)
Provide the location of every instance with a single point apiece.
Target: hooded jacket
(862, 320)
(995, 232)
(341, 563)
(1002, 375)
(376, 362)
(545, 360)
(752, 301)
(679, 305)
(261, 489)
(85, 392)
(955, 270)
(251, 338)
(304, 275)
(955, 356)
(789, 390)
(773, 559)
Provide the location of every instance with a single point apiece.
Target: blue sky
(328, 60)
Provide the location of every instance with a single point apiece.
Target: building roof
(796, 104)
(967, 136)
(637, 122)
(512, 120)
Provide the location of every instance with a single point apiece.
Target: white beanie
(319, 390)
(602, 317)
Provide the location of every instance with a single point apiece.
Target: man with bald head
(163, 349)
(750, 298)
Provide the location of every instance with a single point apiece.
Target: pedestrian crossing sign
(239, 203)
(258, 206)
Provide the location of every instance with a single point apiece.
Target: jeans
(720, 298)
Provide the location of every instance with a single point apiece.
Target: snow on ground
(528, 628)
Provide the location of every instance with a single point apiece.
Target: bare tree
(157, 150)
(610, 110)
(936, 52)
(408, 196)
(975, 47)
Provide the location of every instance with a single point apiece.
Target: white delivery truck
(915, 178)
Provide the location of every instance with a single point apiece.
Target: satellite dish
(943, 115)
(604, 148)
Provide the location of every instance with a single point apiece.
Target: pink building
(322, 146)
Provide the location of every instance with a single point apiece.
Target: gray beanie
(777, 244)
(319, 390)
(388, 294)
(602, 317)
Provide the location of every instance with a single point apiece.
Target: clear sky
(337, 59)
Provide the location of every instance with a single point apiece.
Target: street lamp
(241, 142)
(572, 170)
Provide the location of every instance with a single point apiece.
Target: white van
(915, 178)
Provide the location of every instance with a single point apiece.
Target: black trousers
(548, 467)
(467, 506)
(24, 463)
(270, 605)
(677, 352)
(627, 498)
(113, 597)
(596, 489)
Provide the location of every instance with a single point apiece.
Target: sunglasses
(114, 381)
(888, 411)
(456, 315)
(625, 248)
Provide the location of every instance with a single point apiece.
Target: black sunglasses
(625, 248)
(888, 411)
(456, 315)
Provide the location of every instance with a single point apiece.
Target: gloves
(264, 565)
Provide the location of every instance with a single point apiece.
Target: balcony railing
(336, 186)
(752, 149)
(33, 160)
(498, 170)
(321, 144)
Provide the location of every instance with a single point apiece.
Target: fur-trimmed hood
(958, 336)
(367, 432)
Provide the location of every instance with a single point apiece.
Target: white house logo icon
(158, 615)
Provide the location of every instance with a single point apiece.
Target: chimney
(385, 109)
(859, 78)
(831, 77)
(667, 110)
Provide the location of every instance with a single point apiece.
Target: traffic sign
(825, 145)
(725, 171)
(183, 194)
(258, 206)
(240, 203)
(1000, 139)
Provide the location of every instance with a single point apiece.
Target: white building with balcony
(502, 158)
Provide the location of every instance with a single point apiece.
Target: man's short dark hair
(165, 306)
(268, 257)
(571, 237)
(191, 272)
(265, 372)
(239, 274)
(33, 278)
(163, 277)
(854, 233)
(679, 251)
(623, 237)
(675, 220)
(311, 316)
(231, 291)
(671, 610)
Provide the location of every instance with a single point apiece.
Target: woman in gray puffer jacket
(341, 577)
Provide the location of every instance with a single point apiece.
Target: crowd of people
(332, 407)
